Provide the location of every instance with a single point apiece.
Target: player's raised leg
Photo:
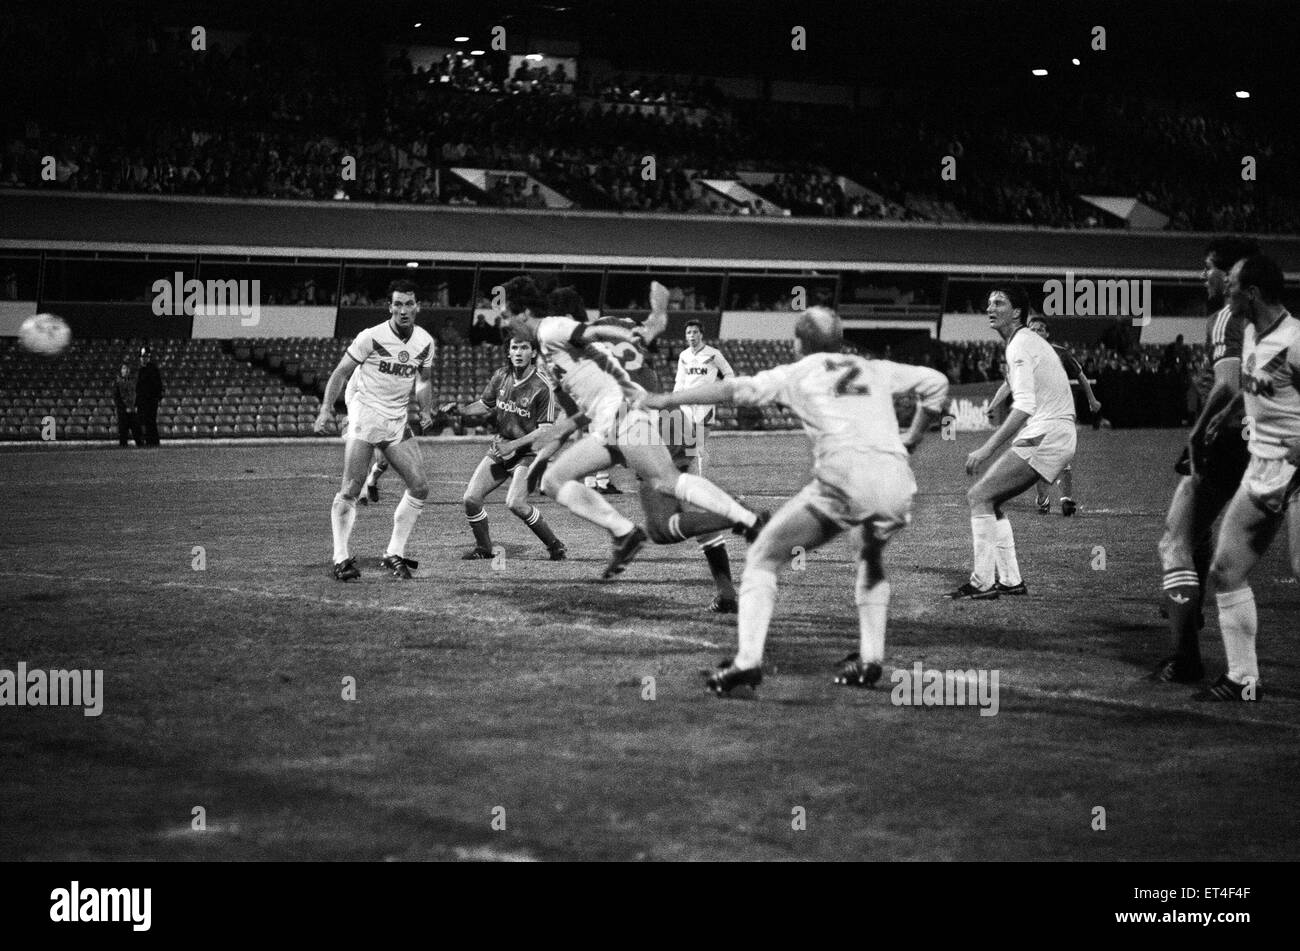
(795, 525)
(482, 483)
(562, 482)
(654, 464)
(530, 515)
(1244, 537)
(1043, 496)
(343, 512)
(405, 457)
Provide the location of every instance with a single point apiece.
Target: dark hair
(694, 323)
(522, 294)
(567, 301)
(402, 286)
(516, 338)
(1258, 270)
(1018, 298)
(1228, 249)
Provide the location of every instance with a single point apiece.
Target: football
(46, 334)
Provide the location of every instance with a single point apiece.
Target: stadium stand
(276, 117)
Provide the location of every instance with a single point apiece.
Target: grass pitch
(515, 693)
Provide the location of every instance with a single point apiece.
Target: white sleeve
(553, 333)
(770, 386)
(681, 371)
(725, 372)
(1020, 376)
(930, 386)
(361, 346)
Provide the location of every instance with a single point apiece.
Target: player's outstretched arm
(424, 397)
(333, 390)
(724, 392)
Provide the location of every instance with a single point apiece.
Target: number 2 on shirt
(845, 385)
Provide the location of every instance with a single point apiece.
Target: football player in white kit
(1270, 490)
(1041, 423)
(378, 369)
(861, 482)
(697, 365)
(601, 394)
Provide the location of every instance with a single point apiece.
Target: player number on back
(845, 385)
(627, 354)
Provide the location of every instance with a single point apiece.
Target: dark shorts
(1225, 463)
(502, 468)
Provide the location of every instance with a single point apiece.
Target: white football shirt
(1270, 380)
(388, 367)
(845, 402)
(573, 366)
(1038, 381)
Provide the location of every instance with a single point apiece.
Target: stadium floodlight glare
(1075, 61)
(534, 56)
(418, 25)
(461, 39)
(412, 263)
(478, 52)
(1039, 72)
(1243, 94)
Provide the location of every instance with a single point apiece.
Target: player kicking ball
(520, 398)
(861, 482)
(601, 396)
(378, 369)
(1040, 427)
(1269, 494)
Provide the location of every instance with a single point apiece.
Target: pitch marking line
(329, 602)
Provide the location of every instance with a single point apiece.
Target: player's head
(1220, 255)
(818, 330)
(567, 301)
(1254, 285)
(525, 305)
(403, 304)
(1039, 326)
(522, 352)
(694, 334)
(1008, 308)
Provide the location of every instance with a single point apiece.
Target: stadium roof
(85, 222)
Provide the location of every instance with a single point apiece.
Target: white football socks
(700, 492)
(1239, 623)
(757, 599)
(984, 534)
(343, 513)
(873, 609)
(589, 504)
(405, 516)
(1005, 553)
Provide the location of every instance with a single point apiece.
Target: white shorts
(372, 426)
(1271, 483)
(874, 490)
(1049, 452)
(608, 416)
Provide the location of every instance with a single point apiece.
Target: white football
(46, 334)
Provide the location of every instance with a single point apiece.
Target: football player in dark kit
(149, 393)
(1211, 469)
(521, 399)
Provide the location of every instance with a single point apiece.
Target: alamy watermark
(1089, 297)
(211, 298)
(919, 687)
(53, 688)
